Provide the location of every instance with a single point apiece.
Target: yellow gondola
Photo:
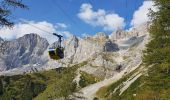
(58, 52)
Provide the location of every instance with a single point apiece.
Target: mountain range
(29, 53)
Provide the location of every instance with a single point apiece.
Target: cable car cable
(67, 15)
(35, 26)
(25, 22)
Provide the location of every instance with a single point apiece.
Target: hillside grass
(59, 84)
(106, 91)
(46, 85)
(21, 87)
(154, 86)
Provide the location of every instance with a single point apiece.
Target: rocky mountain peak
(100, 36)
(24, 50)
(73, 40)
(118, 34)
(71, 46)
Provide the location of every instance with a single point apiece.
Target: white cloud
(61, 26)
(21, 29)
(109, 21)
(140, 16)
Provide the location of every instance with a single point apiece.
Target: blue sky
(65, 11)
(77, 17)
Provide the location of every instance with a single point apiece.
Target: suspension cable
(67, 15)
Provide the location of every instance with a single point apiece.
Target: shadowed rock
(110, 46)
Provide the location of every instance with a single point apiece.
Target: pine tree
(158, 50)
(6, 7)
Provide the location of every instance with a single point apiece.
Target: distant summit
(23, 51)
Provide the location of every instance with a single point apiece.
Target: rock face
(23, 51)
(70, 48)
(110, 46)
(79, 50)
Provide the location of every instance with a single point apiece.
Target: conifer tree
(158, 49)
(6, 8)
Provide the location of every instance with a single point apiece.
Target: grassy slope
(40, 86)
(59, 84)
(21, 87)
(154, 86)
(46, 85)
(105, 92)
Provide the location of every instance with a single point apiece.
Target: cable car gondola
(57, 52)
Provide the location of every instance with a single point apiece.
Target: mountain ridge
(77, 50)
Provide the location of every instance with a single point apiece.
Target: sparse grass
(125, 57)
(87, 79)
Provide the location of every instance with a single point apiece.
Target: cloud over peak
(108, 21)
(21, 29)
(140, 16)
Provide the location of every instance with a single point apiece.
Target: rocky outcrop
(90, 46)
(71, 46)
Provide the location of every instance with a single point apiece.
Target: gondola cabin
(56, 53)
